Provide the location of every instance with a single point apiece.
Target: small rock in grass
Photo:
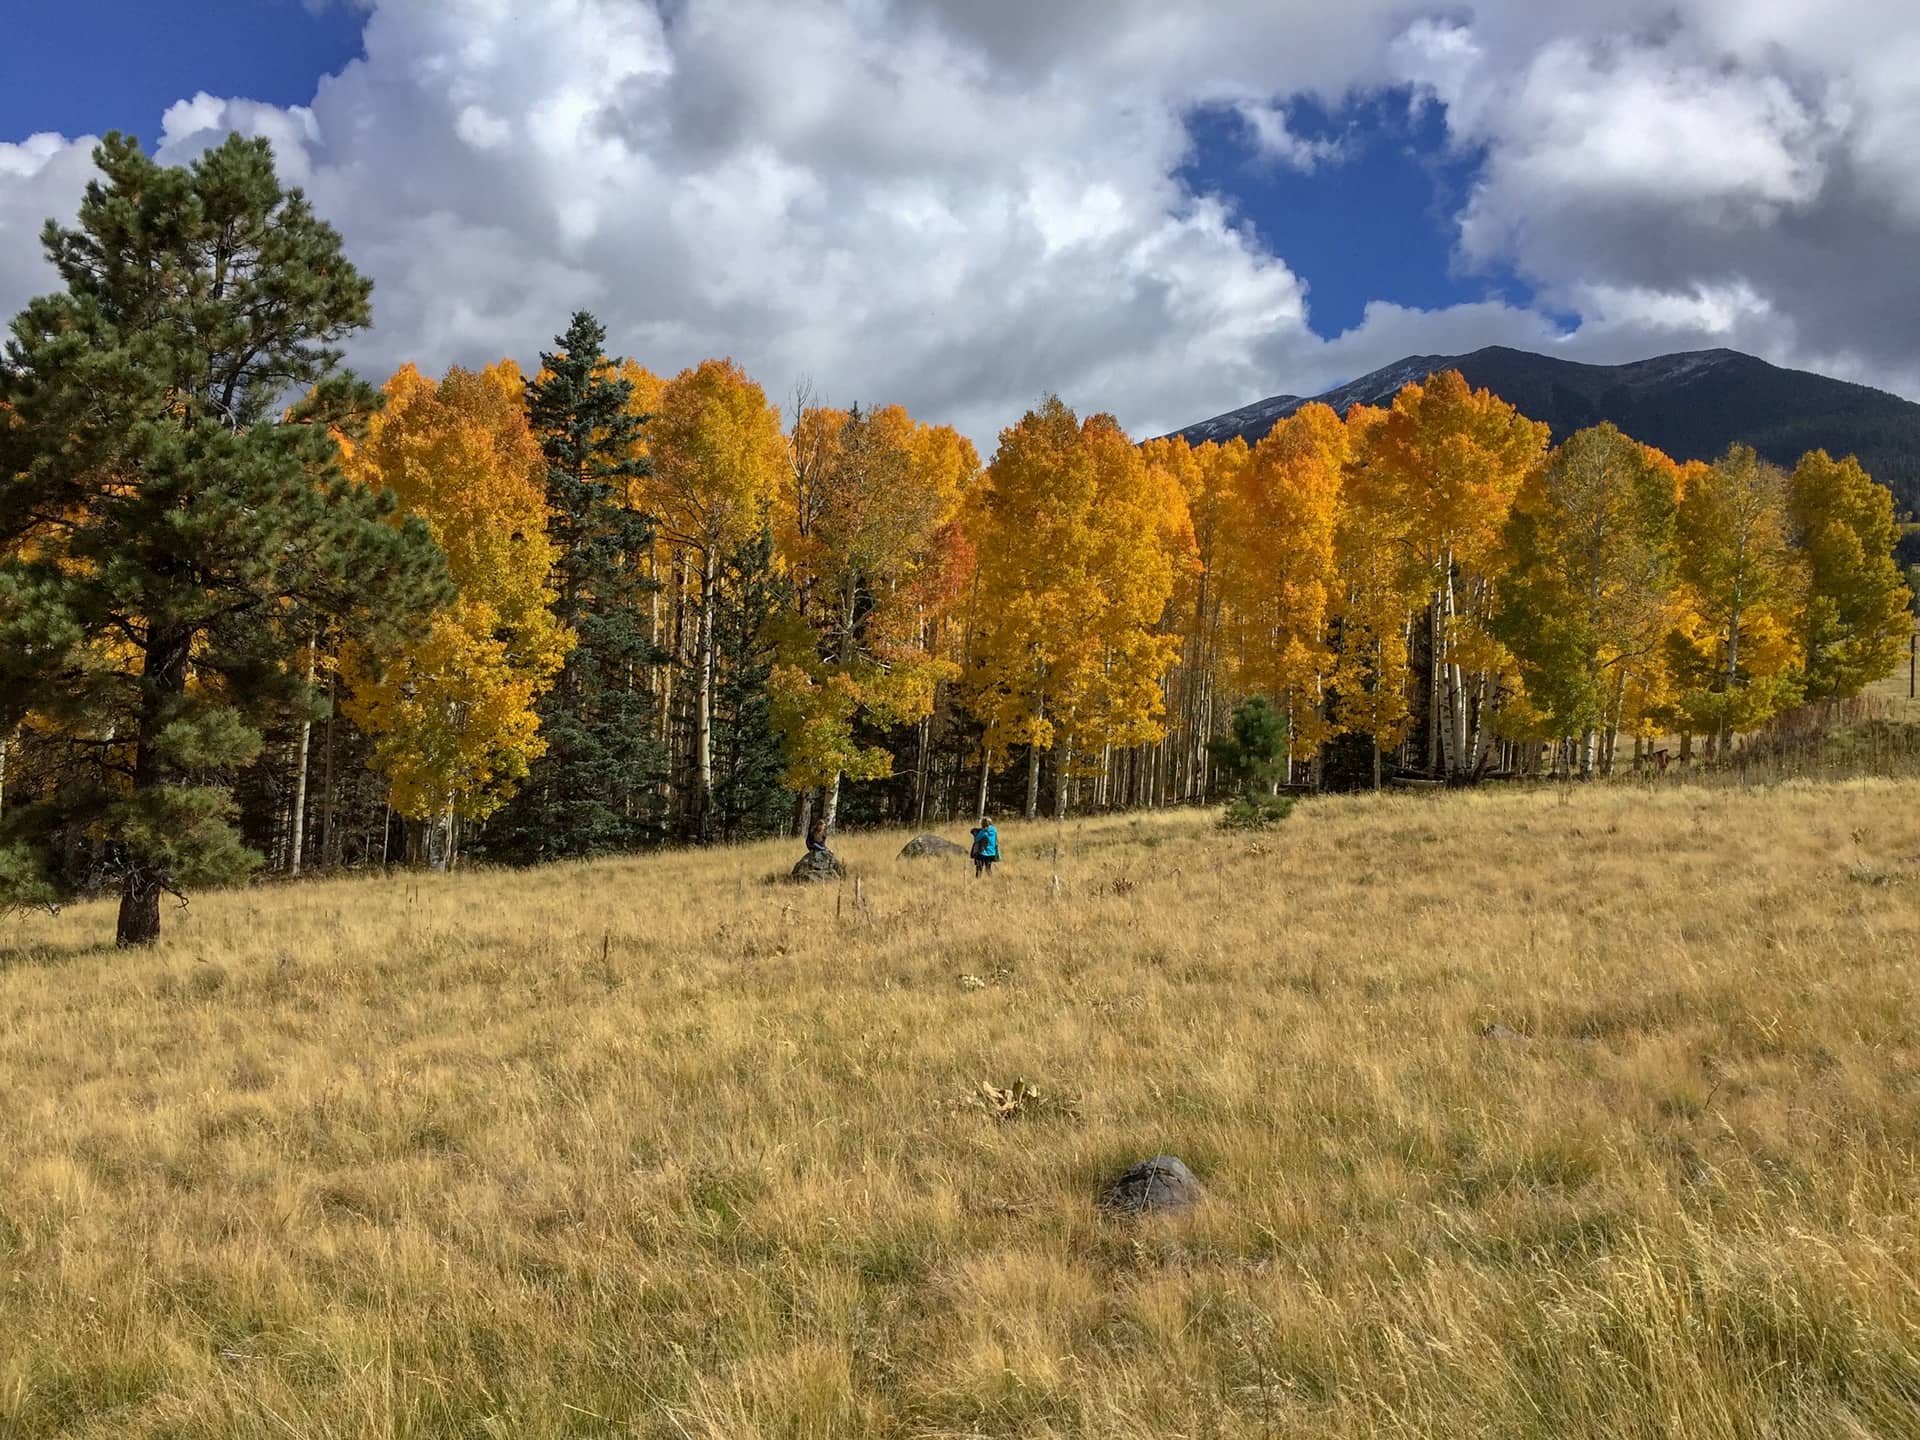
(931, 847)
(1160, 1186)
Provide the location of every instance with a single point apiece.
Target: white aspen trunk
(703, 700)
(1033, 781)
(5, 741)
(1434, 685)
(1458, 755)
(329, 837)
(830, 807)
(921, 770)
(986, 774)
(1614, 722)
(1062, 755)
(296, 840)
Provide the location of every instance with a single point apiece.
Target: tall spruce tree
(173, 538)
(748, 761)
(594, 791)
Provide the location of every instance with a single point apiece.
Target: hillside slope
(1691, 405)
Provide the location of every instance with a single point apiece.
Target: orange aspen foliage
(452, 714)
(1281, 571)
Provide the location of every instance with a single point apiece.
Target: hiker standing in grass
(986, 847)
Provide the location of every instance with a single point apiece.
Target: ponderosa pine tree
(593, 791)
(174, 536)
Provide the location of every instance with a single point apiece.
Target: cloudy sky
(1161, 210)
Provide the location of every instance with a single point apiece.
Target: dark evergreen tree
(172, 535)
(595, 789)
(1253, 753)
(748, 762)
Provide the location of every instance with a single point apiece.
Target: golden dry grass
(654, 1148)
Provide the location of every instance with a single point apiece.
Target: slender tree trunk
(922, 772)
(986, 774)
(830, 803)
(329, 846)
(1033, 781)
(296, 841)
(1619, 715)
(163, 681)
(703, 700)
(1062, 755)
(1433, 686)
(5, 741)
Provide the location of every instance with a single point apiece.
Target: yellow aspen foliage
(718, 458)
(1857, 616)
(1373, 602)
(1446, 463)
(1585, 594)
(452, 714)
(1737, 654)
(1280, 571)
(875, 554)
(1080, 539)
(1206, 477)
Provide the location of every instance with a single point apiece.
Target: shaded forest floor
(656, 1148)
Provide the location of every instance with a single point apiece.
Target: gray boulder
(816, 867)
(931, 847)
(1160, 1186)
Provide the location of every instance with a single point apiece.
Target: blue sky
(1377, 223)
(963, 205)
(89, 66)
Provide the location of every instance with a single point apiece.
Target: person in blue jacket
(986, 847)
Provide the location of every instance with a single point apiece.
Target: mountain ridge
(1692, 404)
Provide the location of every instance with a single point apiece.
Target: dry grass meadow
(655, 1148)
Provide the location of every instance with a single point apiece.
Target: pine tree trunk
(164, 676)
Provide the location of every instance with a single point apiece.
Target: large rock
(931, 847)
(817, 867)
(1160, 1186)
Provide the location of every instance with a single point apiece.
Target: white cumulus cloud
(962, 204)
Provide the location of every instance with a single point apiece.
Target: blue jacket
(986, 843)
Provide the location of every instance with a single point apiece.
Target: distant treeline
(595, 610)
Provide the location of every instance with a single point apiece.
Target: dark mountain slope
(1690, 405)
